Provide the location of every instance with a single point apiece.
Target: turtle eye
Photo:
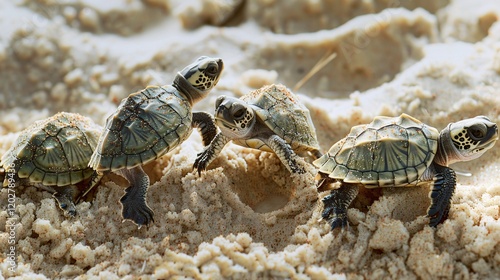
(239, 113)
(212, 69)
(63, 206)
(476, 132)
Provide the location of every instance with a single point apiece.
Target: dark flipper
(211, 151)
(285, 153)
(336, 204)
(134, 203)
(65, 199)
(444, 186)
(205, 123)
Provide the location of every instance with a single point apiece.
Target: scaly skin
(204, 158)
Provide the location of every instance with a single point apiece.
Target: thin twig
(324, 60)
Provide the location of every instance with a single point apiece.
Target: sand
(247, 217)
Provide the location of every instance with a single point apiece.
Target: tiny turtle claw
(139, 213)
(210, 152)
(336, 204)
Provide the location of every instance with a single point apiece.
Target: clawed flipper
(204, 158)
(441, 193)
(336, 204)
(135, 207)
(285, 153)
(202, 161)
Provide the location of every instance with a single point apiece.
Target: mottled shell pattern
(145, 126)
(151, 122)
(54, 151)
(386, 152)
(285, 115)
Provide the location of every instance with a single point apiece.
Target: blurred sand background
(247, 217)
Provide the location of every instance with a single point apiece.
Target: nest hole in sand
(270, 201)
(262, 192)
(264, 196)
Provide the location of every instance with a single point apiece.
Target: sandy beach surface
(247, 216)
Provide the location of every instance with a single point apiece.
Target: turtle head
(234, 117)
(197, 79)
(466, 140)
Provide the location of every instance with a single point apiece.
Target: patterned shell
(283, 113)
(54, 151)
(386, 152)
(146, 125)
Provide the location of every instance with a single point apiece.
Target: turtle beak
(219, 100)
(220, 64)
(221, 111)
(491, 136)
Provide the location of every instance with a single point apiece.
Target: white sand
(247, 216)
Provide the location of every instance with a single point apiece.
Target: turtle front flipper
(65, 199)
(135, 207)
(444, 186)
(204, 158)
(205, 123)
(336, 204)
(285, 153)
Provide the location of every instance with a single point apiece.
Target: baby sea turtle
(270, 119)
(54, 154)
(148, 124)
(401, 152)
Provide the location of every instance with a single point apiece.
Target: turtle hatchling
(401, 152)
(148, 124)
(53, 154)
(270, 119)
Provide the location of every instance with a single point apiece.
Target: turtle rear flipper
(336, 204)
(135, 207)
(442, 191)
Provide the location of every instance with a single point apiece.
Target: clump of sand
(247, 216)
